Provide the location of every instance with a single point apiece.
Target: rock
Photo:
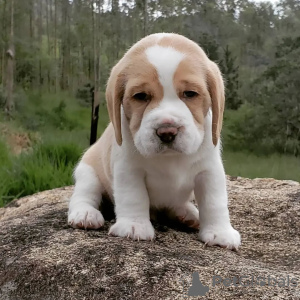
(42, 258)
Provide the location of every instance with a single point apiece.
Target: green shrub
(249, 129)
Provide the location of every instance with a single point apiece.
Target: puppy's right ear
(114, 95)
(217, 94)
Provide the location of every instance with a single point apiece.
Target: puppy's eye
(141, 96)
(189, 94)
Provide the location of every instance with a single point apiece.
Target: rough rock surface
(42, 258)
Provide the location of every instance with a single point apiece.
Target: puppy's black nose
(167, 134)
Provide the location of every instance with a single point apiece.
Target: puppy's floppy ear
(114, 95)
(217, 95)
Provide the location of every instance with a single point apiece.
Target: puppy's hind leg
(187, 214)
(84, 203)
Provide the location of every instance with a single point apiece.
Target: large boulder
(42, 258)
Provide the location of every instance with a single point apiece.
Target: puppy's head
(166, 85)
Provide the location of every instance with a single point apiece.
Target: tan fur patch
(141, 77)
(98, 157)
(190, 76)
(197, 65)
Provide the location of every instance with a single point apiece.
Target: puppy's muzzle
(167, 133)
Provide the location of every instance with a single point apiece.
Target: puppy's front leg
(84, 203)
(211, 195)
(131, 204)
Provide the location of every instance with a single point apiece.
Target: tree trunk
(48, 44)
(99, 47)
(10, 54)
(64, 45)
(55, 46)
(94, 43)
(31, 18)
(40, 41)
(4, 39)
(145, 17)
(116, 32)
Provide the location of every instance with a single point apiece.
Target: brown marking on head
(190, 76)
(133, 74)
(196, 72)
(142, 77)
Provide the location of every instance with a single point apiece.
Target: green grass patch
(253, 166)
(45, 167)
(60, 129)
(57, 117)
(4, 155)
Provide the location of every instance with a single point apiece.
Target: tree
(3, 40)
(230, 71)
(277, 101)
(10, 54)
(210, 46)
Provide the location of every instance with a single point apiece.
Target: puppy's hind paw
(188, 214)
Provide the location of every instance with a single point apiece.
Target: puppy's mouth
(168, 149)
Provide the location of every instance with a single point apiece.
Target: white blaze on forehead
(166, 61)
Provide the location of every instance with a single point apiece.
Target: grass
(253, 166)
(59, 128)
(44, 167)
(57, 117)
(51, 165)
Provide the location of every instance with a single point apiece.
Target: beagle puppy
(165, 100)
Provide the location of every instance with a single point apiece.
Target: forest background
(53, 51)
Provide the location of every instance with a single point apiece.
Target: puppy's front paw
(140, 229)
(85, 216)
(223, 236)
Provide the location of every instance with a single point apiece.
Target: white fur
(169, 181)
(166, 61)
(146, 174)
(84, 205)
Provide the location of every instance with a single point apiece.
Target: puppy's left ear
(217, 94)
(114, 96)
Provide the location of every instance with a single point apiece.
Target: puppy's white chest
(169, 183)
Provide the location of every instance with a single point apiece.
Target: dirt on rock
(42, 258)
